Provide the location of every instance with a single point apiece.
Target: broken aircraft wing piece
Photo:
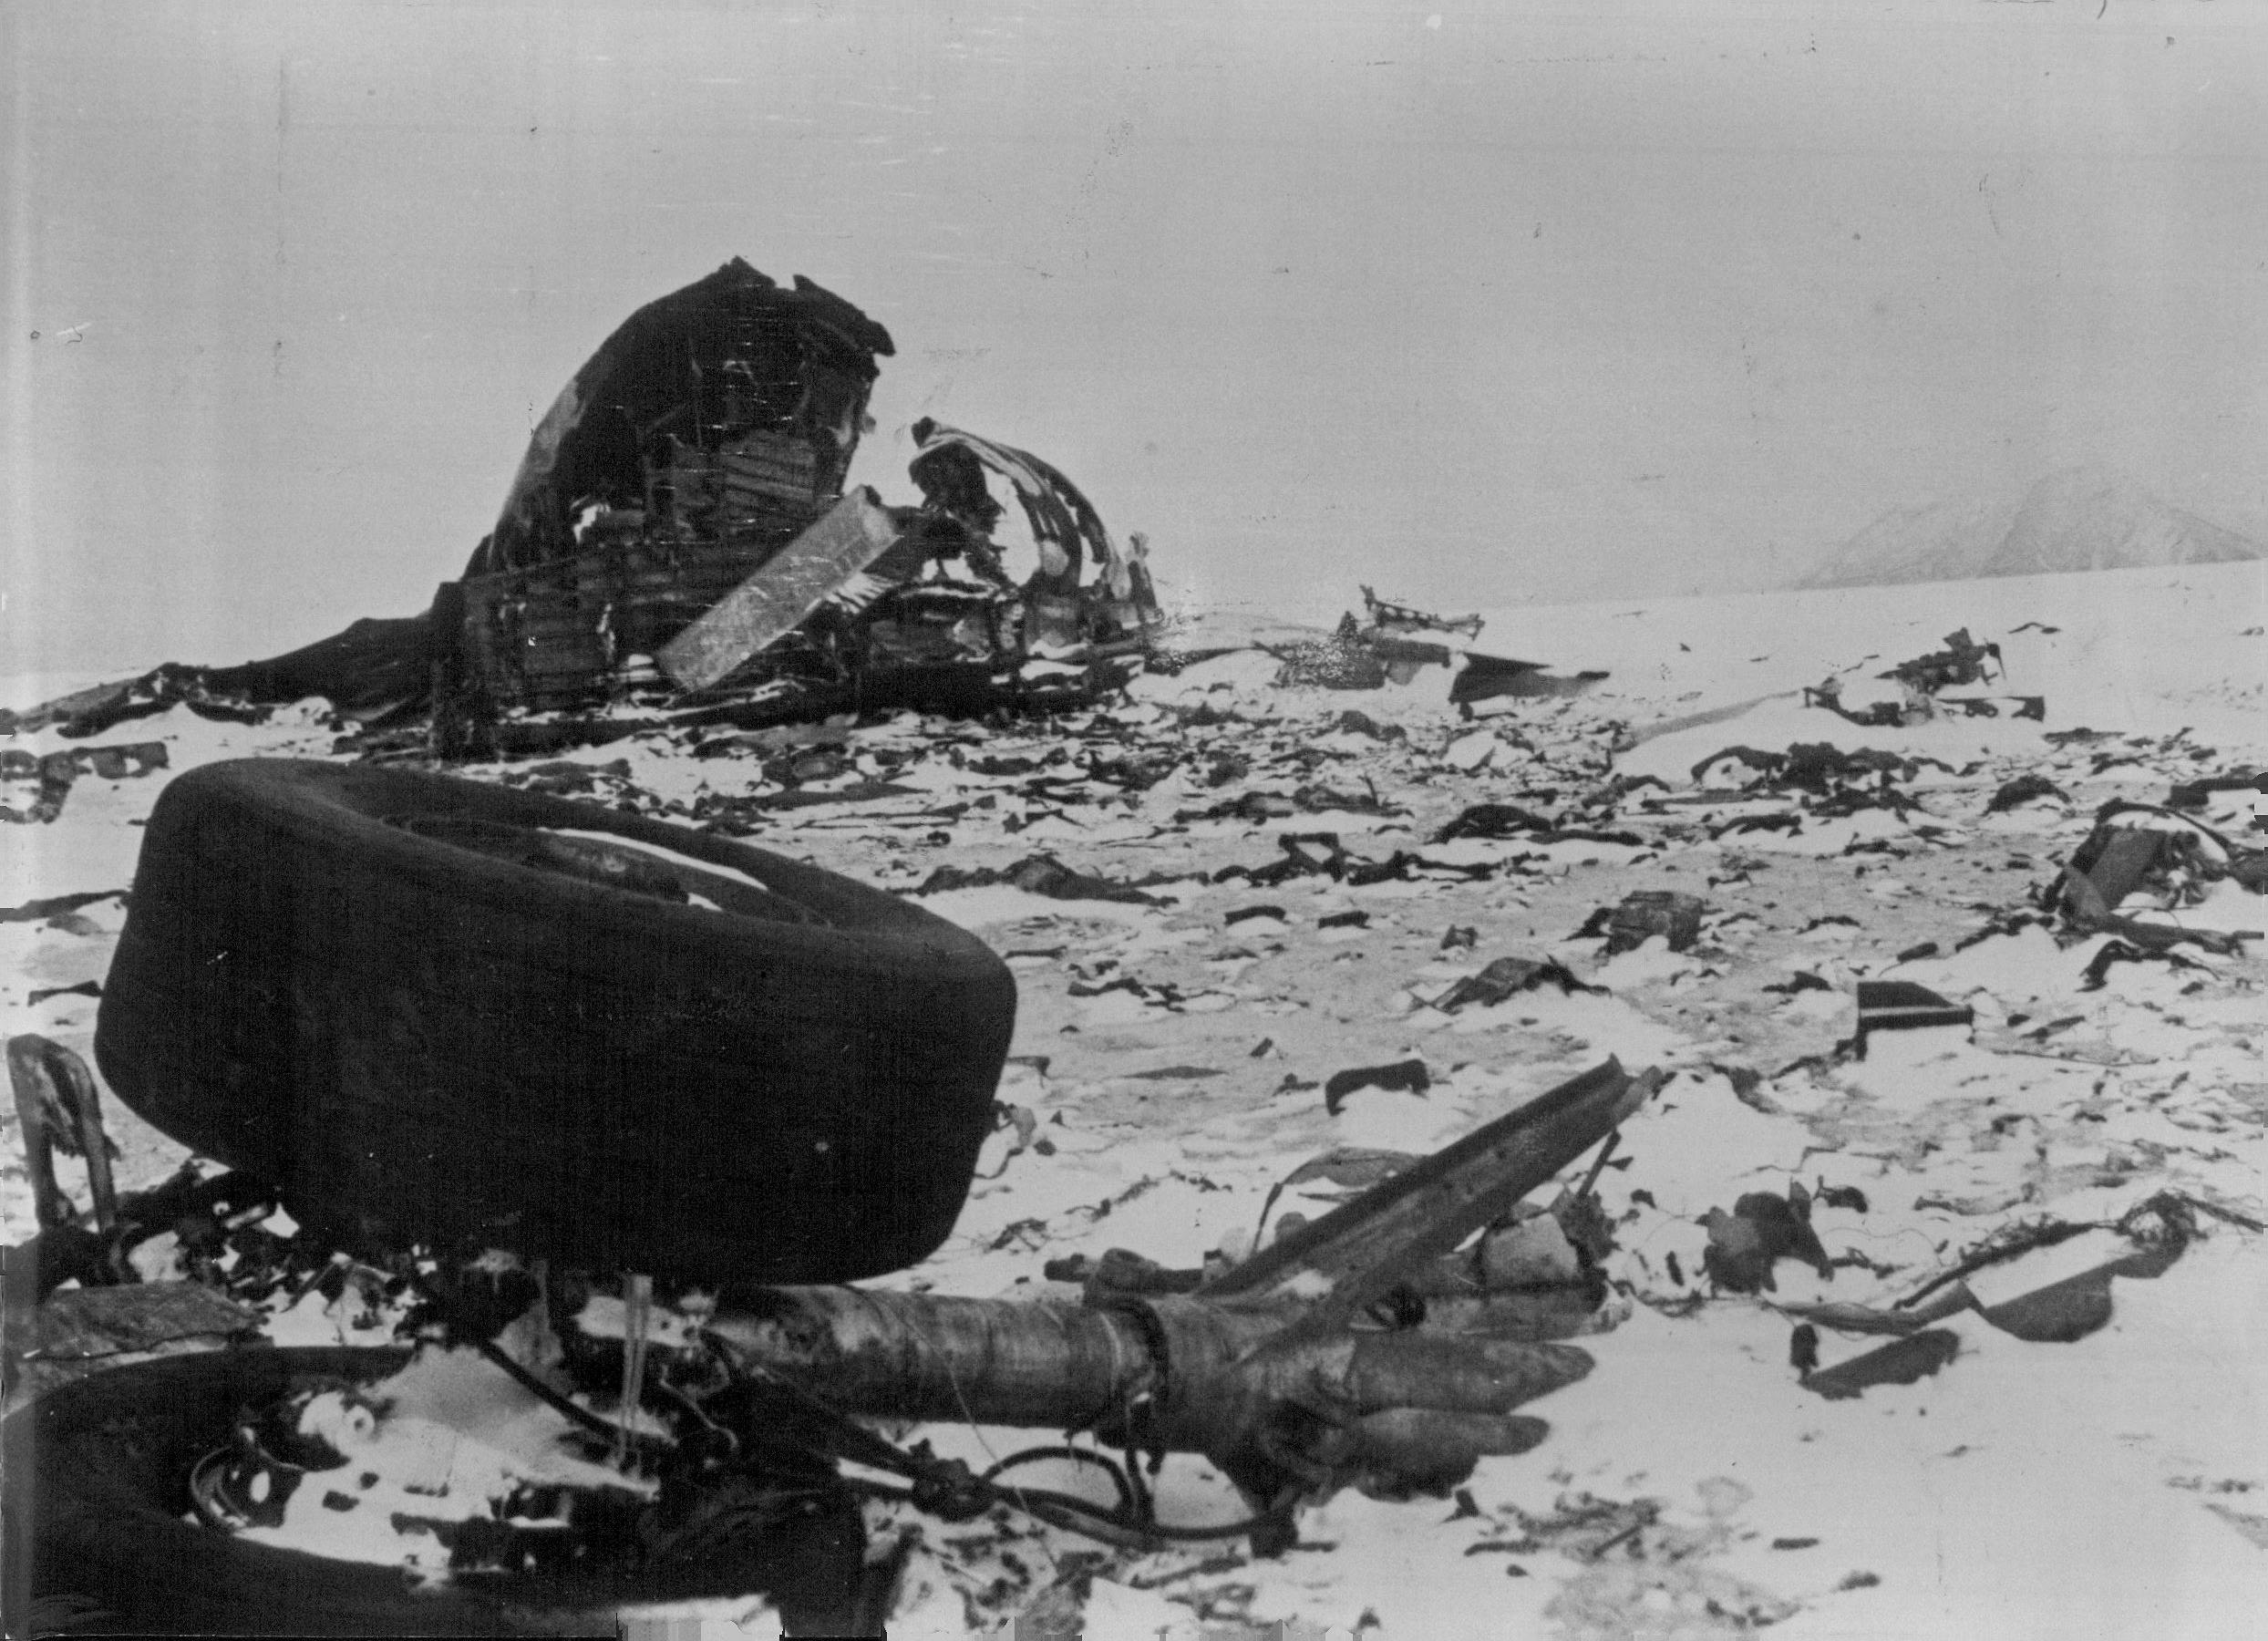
(781, 593)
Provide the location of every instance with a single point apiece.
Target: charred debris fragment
(681, 538)
(1388, 648)
(1921, 682)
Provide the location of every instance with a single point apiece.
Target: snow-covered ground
(1692, 1485)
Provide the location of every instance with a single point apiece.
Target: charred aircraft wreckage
(679, 537)
(681, 548)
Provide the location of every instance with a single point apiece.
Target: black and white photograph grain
(1155, 820)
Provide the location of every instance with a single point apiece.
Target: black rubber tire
(97, 1490)
(414, 1040)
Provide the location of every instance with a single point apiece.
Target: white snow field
(1692, 1485)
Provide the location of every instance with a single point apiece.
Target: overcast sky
(1476, 305)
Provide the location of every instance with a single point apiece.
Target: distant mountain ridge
(2081, 518)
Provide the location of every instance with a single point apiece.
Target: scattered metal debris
(56, 771)
(1388, 617)
(1644, 914)
(1506, 976)
(1761, 1230)
(1904, 1006)
(1963, 661)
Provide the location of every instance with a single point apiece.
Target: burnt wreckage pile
(684, 501)
(679, 535)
